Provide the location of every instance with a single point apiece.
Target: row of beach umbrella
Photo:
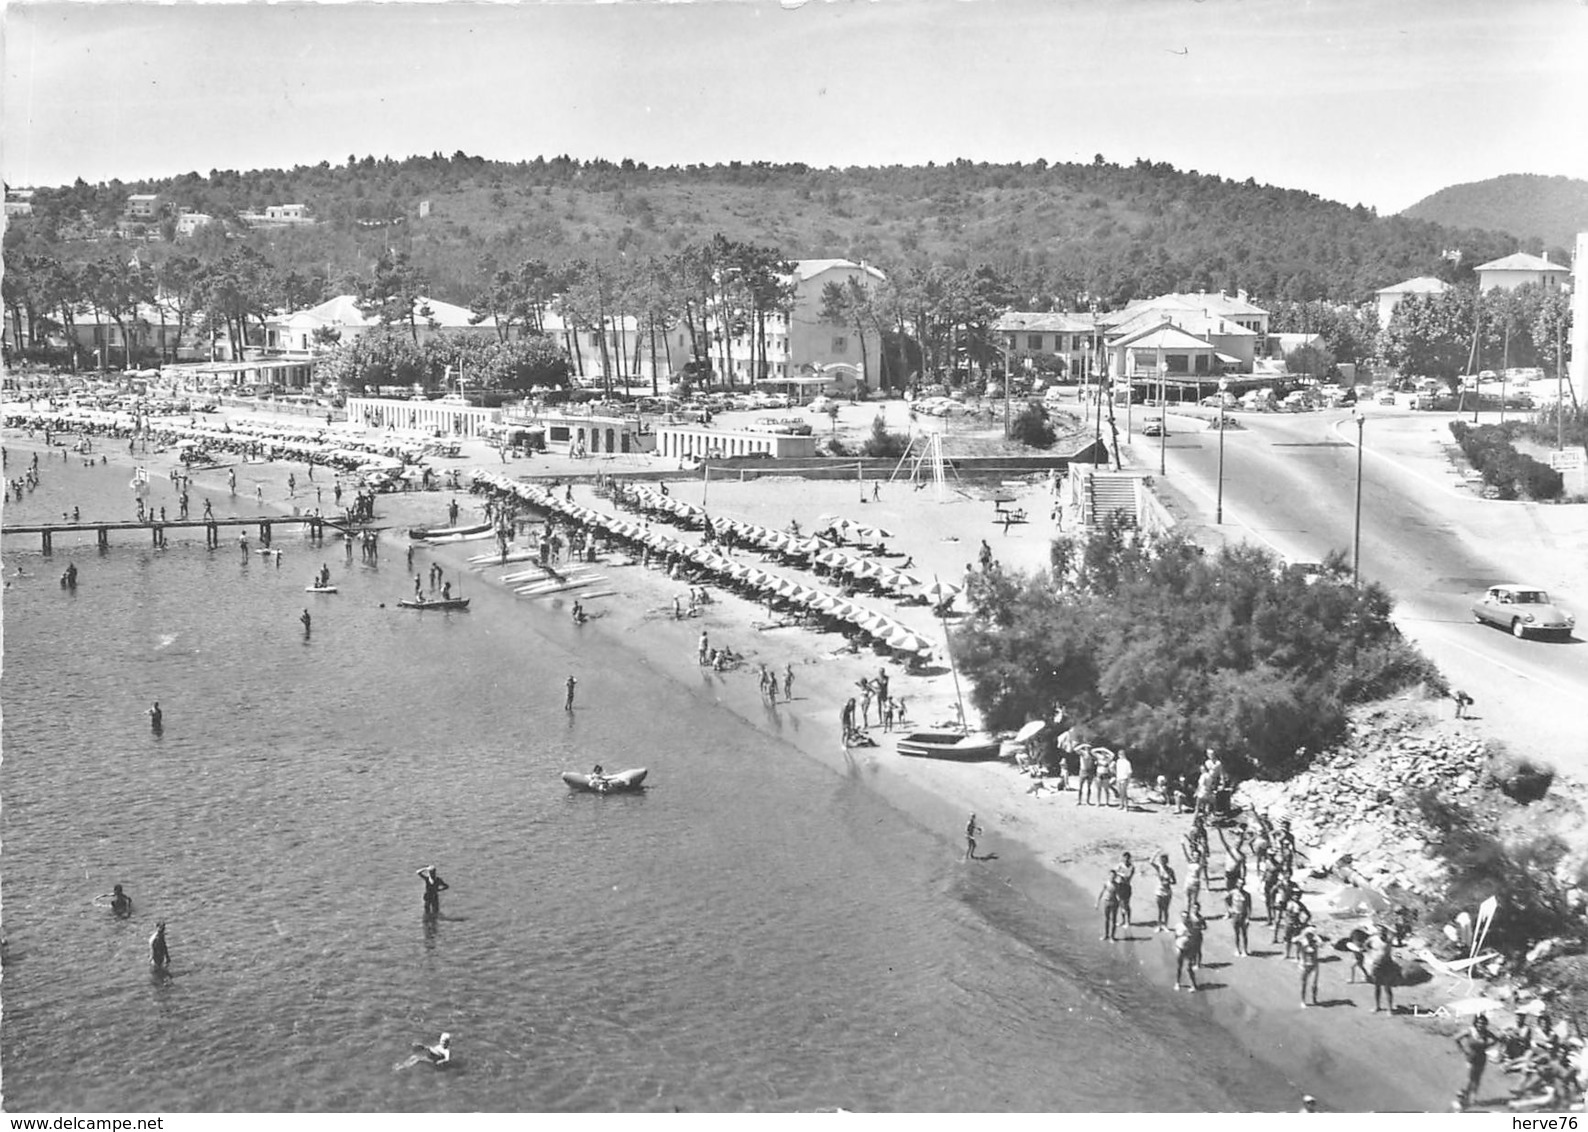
(767, 585)
(821, 552)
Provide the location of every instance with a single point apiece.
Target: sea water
(753, 932)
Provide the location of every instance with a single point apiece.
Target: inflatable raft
(608, 783)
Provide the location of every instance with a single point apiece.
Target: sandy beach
(1046, 847)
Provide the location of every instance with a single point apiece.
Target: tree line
(1063, 235)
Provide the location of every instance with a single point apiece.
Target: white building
(295, 333)
(1390, 297)
(1518, 270)
(803, 343)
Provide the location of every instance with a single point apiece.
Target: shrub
(1031, 428)
(881, 442)
(1519, 777)
(1509, 472)
(1520, 873)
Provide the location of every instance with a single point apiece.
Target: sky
(1378, 102)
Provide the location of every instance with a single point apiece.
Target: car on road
(1524, 610)
(820, 404)
(1153, 428)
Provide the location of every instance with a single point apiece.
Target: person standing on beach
(1188, 947)
(1307, 947)
(568, 703)
(1165, 892)
(788, 681)
(846, 720)
(704, 647)
(434, 887)
(1108, 900)
(1125, 871)
(971, 830)
(419, 589)
(865, 702)
(1463, 702)
(231, 480)
(1084, 780)
(1382, 968)
(1122, 772)
(1239, 902)
(1474, 1045)
(1105, 776)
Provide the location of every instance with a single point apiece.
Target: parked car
(1153, 427)
(1523, 610)
(820, 404)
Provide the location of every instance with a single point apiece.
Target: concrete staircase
(1110, 494)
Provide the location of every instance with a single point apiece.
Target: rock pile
(1358, 802)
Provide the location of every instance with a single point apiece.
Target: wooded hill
(1546, 213)
(1061, 235)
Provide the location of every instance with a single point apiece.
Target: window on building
(1177, 363)
(840, 344)
(1202, 363)
(1033, 341)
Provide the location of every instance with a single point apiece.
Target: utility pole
(1356, 536)
(1218, 513)
(1163, 414)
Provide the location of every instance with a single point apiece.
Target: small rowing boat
(956, 745)
(607, 783)
(448, 532)
(434, 603)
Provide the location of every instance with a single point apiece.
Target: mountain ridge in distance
(1530, 206)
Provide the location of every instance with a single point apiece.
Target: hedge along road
(1290, 482)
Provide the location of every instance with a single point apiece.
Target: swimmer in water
(120, 903)
(437, 1055)
(159, 953)
(155, 717)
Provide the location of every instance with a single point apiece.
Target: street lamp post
(1005, 347)
(1163, 417)
(1218, 515)
(1356, 536)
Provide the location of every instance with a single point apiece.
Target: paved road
(1290, 482)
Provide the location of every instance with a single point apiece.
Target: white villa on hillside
(1518, 270)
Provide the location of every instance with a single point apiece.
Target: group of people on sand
(1268, 850)
(854, 719)
(718, 660)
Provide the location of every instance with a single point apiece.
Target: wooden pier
(315, 526)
